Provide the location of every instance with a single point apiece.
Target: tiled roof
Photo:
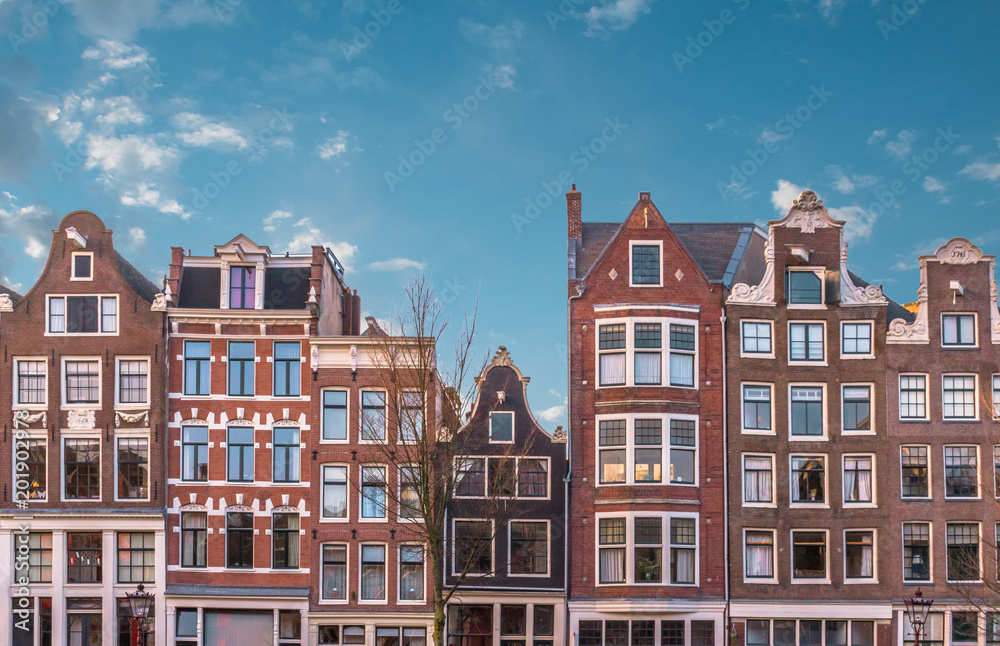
(142, 285)
(893, 310)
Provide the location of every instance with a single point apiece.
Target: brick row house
(81, 384)
(647, 515)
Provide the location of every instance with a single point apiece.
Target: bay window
(633, 352)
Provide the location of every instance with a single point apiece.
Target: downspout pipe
(569, 452)
(725, 470)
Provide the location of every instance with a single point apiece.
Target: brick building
(811, 472)
(240, 433)
(647, 489)
(514, 557)
(943, 400)
(81, 377)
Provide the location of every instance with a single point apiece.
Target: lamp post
(916, 611)
(139, 603)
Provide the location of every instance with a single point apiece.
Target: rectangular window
(757, 408)
(963, 551)
(334, 572)
(513, 622)
(912, 397)
(643, 632)
(40, 557)
(964, 627)
(671, 633)
(996, 471)
(501, 426)
(808, 555)
(57, 315)
(30, 382)
(241, 368)
(758, 633)
(544, 620)
(857, 411)
(529, 548)
(240, 453)
(83, 382)
(682, 550)
(807, 411)
(287, 368)
(612, 434)
(805, 287)
(81, 314)
(335, 415)
(611, 346)
(197, 367)
(858, 481)
(82, 469)
(805, 342)
(473, 546)
(856, 339)
(916, 551)
(645, 264)
(758, 479)
(83, 557)
(648, 452)
(809, 479)
(242, 287)
(959, 397)
(472, 625)
(411, 417)
(759, 554)
(859, 555)
(612, 550)
(133, 468)
(133, 375)
(682, 350)
(411, 572)
(372, 416)
(285, 541)
(470, 478)
(532, 478)
(996, 396)
(373, 492)
(914, 465)
(82, 266)
(194, 453)
(334, 491)
(136, 557)
(682, 450)
(409, 492)
(286, 454)
(194, 538)
(648, 359)
(109, 314)
(756, 338)
(958, 330)
(616, 633)
(239, 539)
(35, 467)
(961, 472)
(502, 474)
(932, 633)
(647, 554)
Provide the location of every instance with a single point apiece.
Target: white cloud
(769, 136)
(121, 19)
(783, 196)
(11, 284)
(118, 56)
(830, 9)
(552, 414)
(933, 185)
(147, 195)
(859, 222)
(982, 170)
(716, 124)
(271, 221)
(396, 264)
(305, 234)
(137, 236)
(198, 131)
(902, 146)
(117, 111)
(616, 15)
(841, 181)
(34, 248)
(503, 75)
(964, 149)
(503, 41)
(334, 146)
(117, 156)
(878, 136)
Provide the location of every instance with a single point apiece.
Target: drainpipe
(569, 445)
(725, 471)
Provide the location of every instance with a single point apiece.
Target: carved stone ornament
(285, 422)
(314, 358)
(917, 332)
(762, 294)
(159, 303)
(24, 419)
(850, 294)
(193, 506)
(501, 358)
(958, 251)
(559, 436)
(284, 509)
(6, 305)
(240, 422)
(354, 357)
(807, 214)
(242, 508)
(131, 418)
(81, 420)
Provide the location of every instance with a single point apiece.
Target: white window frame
(361, 573)
(843, 482)
(183, 358)
(402, 414)
(126, 435)
(791, 556)
(72, 266)
(871, 408)
(384, 518)
(753, 431)
(256, 359)
(630, 446)
(927, 399)
(548, 546)
(322, 489)
(995, 413)
(930, 480)
(629, 350)
(149, 381)
(34, 434)
(979, 471)
(62, 467)
(62, 383)
(858, 580)
(774, 479)
(298, 534)
(930, 551)
(399, 574)
(996, 488)
(819, 272)
(347, 415)
(806, 362)
(975, 331)
(871, 340)
(826, 413)
(975, 396)
(794, 504)
(630, 546)
(100, 320)
(455, 571)
(774, 556)
(400, 518)
(947, 574)
(321, 600)
(361, 417)
(16, 385)
(644, 243)
(460, 458)
(757, 355)
(513, 422)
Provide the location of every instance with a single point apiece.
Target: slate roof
(893, 310)
(142, 285)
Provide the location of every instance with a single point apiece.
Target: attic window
(646, 269)
(805, 287)
(242, 284)
(501, 427)
(83, 266)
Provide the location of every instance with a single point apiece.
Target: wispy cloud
(878, 136)
(933, 185)
(769, 136)
(198, 131)
(396, 264)
(334, 146)
(902, 145)
(846, 184)
(859, 221)
(503, 42)
(115, 55)
(305, 235)
(137, 236)
(613, 15)
(271, 222)
(552, 414)
(146, 195)
(982, 170)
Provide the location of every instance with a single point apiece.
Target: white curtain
(684, 566)
(647, 367)
(760, 561)
(757, 479)
(682, 369)
(334, 572)
(858, 479)
(613, 565)
(867, 562)
(373, 582)
(613, 368)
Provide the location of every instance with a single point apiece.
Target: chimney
(356, 314)
(574, 214)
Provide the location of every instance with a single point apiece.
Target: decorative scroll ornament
(285, 422)
(559, 436)
(917, 332)
(6, 305)
(314, 358)
(242, 508)
(501, 358)
(284, 509)
(131, 418)
(24, 419)
(958, 251)
(159, 303)
(81, 420)
(354, 357)
(850, 294)
(762, 294)
(193, 506)
(239, 422)
(808, 214)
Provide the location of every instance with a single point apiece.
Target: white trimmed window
(82, 267)
(647, 548)
(856, 408)
(758, 408)
(373, 416)
(81, 468)
(31, 382)
(335, 491)
(82, 315)
(758, 480)
(914, 463)
(805, 287)
(647, 352)
(334, 415)
(856, 339)
(917, 552)
(859, 479)
(996, 397)
(964, 556)
(860, 556)
(81, 382)
(996, 472)
(759, 555)
(373, 483)
(473, 546)
(806, 342)
(373, 572)
(639, 449)
(411, 416)
(756, 338)
(501, 427)
(133, 468)
(411, 572)
(958, 330)
(958, 397)
(810, 557)
(133, 382)
(807, 411)
(913, 397)
(961, 471)
(647, 268)
(528, 548)
(334, 574)
(808, 480)
(409, 492)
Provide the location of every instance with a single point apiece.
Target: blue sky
(429, 137)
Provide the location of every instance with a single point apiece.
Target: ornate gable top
(501, 358)
(958, 251)
(807, 214)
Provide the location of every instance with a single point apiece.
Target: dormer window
(242, 284)
(82, 266)
(805, 287)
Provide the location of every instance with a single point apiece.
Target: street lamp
(139, 603)
(916, 611)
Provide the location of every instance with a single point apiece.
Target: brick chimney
(574, 217)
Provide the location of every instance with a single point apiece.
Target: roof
(893, 309)
(142, 285)
(14, 296)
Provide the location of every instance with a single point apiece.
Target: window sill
(756, 355)
(860, 505)
(808, 438)
(754, 431)
(963, 499)
(30, 407)
(334, 521)
(806, 306)
(916, 499)
(959, 420)
(760, 581)
(760, 505)
(809, 505)
(849, 357)
(810, 581)
(848, 581)
(850, 433)
(805, 362)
